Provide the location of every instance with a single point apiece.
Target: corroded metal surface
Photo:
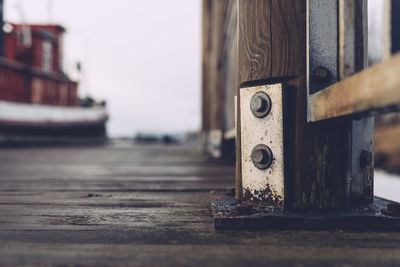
(333, 178)
(262, 185)
(323, 42)
(230, 213)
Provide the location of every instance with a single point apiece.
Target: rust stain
(268, 197)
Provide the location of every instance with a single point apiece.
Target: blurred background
(141, 57)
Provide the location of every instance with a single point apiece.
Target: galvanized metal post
(338, 41)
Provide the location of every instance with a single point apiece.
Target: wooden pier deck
(147, 205)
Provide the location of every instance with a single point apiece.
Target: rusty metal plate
(262, 185)
(229, 213)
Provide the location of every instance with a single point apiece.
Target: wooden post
(214, 16)
(272, 48)
(206, 49)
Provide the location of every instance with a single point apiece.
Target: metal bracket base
(230, 213)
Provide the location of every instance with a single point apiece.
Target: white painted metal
(262, 185)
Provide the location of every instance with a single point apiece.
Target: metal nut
(365, 159)
(261, 156)
(322, 74)
(260, 104)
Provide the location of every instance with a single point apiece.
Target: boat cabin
(31, 66)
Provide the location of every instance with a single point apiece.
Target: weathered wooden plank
(373, 90)
(147, 228)
(170, 252)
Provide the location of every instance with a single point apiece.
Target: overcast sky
(143, 57)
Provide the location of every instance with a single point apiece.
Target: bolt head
(258, 156)
(261, 156)
(257, 103)
(260, 104)
(322, 74)
(365, 159)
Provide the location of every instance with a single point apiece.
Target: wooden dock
(149, 206)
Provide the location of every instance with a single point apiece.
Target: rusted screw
(261, 156)
(322, 74)
(260, 104)
(365, 159)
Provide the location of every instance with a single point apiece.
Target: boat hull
(39, 124)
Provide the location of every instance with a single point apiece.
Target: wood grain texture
(272, 47)
(112, 206)
(217, 65)
(254, 22)
(149, 206)
(213, 64)
(206, 50)
(288, 35)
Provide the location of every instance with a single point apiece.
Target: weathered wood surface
(148, 206)
(372, 90)
(272, 48)
(206, 50)
(213, 64)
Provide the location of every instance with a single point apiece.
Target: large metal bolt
(260, 104)
(261, 156)
(322, 74)
(365, 159)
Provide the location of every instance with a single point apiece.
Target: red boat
(38, 101)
